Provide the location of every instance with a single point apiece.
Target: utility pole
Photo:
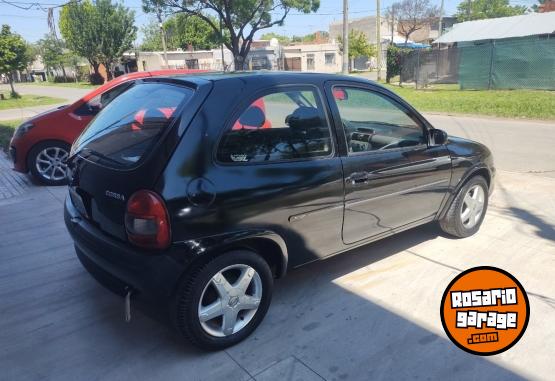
(345, 36)
(222, 45)
(379, 39)
(468, 12)
(440, 29)
(163, 34)
(392, 23)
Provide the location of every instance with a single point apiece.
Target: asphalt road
(368, 314)
(518, 145)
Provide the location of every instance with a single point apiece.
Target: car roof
(269, 77)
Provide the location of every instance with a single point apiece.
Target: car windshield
(130, 125)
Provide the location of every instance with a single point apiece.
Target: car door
(393, 175)
(278, 168)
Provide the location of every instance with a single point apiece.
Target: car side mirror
(438, 137)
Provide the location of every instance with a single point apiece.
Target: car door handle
(359, 178)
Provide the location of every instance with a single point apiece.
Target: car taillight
(146, 220)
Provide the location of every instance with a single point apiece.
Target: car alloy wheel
(50, 163)
(472, 206)
(230, 300)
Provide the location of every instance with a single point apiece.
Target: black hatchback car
(189, 195)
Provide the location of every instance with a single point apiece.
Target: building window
(330, 58)
(310, 62)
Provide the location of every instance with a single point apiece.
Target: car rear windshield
(132, 123)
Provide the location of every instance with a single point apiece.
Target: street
(59, 92)
(372, 313)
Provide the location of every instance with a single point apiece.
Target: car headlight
(23, 129)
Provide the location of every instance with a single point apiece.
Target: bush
(61, 79)
(395, 57)
(96, 79)
(82, 73)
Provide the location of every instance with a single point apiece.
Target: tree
(241, 18)
(181, 31)
(186, 30)
(358, 45)
(414, 15)
(100, 32)
(51, 51)
(284, 40)
(80, 28)
(14, 54)
(152, 40)
(117, 32)
(487, 9)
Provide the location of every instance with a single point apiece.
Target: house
(506, 52)
(178, 59)
(366, 25)
(548, 6)
(321, 58)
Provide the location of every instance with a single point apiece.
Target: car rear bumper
(119, 267)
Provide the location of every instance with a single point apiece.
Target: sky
(32, 23)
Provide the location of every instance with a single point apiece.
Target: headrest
(304, 118)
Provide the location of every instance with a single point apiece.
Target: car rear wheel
(223, 301)
(47, 162)
(468, 209)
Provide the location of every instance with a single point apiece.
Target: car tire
(199, 290)
(464, 217)
(46, 173)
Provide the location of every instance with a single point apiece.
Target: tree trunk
(95, 66)
(239, 62)
(10, 78)
(109, 74)
(64, 72)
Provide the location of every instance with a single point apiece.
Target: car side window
(93, 106)
(283, 125)
(373, 122)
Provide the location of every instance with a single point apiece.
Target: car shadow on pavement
(315, 328)
(543, 228)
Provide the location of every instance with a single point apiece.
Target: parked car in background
(41, 144)
(230, 180)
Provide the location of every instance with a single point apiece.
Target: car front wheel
(468, 209)
(47, 162)
(223, 301)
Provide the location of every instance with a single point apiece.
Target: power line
(26, 6)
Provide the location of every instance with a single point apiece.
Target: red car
(41, 144)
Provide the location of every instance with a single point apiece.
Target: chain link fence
(524, 63)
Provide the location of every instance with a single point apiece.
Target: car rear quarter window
(282, 125)
(132, 123)
(93, 106)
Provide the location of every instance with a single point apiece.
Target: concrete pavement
(368, 314)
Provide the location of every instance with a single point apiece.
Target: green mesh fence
(526, 63)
